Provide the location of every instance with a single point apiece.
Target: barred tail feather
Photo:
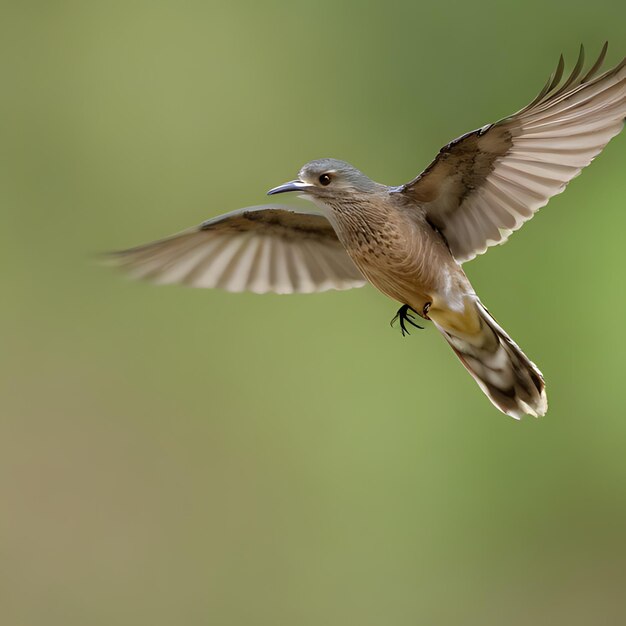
(507, 376)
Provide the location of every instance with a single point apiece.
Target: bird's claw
(404, 315)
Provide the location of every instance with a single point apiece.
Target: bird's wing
(487, 183)
(270, 248)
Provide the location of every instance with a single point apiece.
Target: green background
(178, 456)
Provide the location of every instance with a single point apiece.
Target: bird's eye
(324, 179)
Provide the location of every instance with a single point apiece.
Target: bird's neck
(355, 213)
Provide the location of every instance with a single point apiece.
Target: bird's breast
(395, 255)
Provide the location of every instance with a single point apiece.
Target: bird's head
(325, 180)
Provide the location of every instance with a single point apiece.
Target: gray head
(328, 178)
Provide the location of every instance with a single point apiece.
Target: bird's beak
(294, 185)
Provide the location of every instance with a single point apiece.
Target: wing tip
(554, 87)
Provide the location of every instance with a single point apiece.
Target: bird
(411, 241)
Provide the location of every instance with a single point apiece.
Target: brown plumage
(410, 241)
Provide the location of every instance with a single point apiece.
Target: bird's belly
(400, 256)
(398, 279)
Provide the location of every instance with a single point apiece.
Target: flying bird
(410, 241)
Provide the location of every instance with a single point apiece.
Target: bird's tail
(508, 377)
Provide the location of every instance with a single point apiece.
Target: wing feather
(486, 184)
(269, 248)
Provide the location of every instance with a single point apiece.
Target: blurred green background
(178, 456)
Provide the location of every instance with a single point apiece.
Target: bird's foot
(404, 315)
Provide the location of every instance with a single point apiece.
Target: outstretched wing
(486, 184)
(270, 248)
